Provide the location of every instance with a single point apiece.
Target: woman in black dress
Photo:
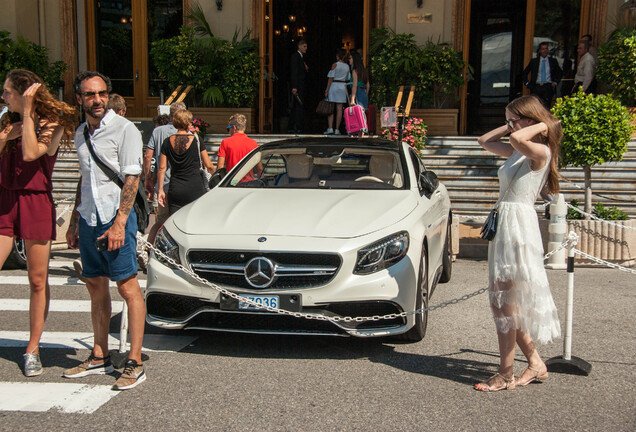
(185, 155)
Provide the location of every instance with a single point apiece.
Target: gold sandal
(538, 377)
(509, 384)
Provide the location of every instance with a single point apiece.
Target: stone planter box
(605, 241)
(437, 121)
(217, 118)
(600, 239)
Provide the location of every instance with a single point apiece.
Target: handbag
(205, 175)
(141, 208)
(324, 108)
(489, 229)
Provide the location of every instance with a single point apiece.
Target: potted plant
(224, 73)
(24, 54)
(414, 133)
(436, 70)
(596, 129)
(617, 65)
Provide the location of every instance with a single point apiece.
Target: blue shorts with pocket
(117, 265)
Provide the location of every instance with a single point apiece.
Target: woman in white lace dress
(520, 297)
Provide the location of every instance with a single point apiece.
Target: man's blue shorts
(117, 265)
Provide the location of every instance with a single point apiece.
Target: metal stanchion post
(557, 230)
(568, 363)
(123, 329)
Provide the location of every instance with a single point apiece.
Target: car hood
(295, 212)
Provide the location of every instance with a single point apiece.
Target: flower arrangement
(414, 133)
(199, 126)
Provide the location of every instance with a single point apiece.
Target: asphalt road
(247, 382)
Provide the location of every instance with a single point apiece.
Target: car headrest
(299, 166)
(381, 166)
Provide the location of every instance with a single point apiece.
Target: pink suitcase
(355, 119)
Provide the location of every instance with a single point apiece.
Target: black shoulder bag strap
(141, 203)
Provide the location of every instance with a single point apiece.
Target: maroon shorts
(27, 214)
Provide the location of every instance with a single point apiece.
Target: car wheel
(417, 332)
(17, 258)
(447, 260)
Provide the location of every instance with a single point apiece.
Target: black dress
(186, 184)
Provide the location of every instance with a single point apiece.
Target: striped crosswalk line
(84, 340)
(22, 305)
(63, 397)
(54, 281)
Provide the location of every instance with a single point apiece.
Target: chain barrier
(607, 263)
(591, 216)
(335, 319)
(346, 319)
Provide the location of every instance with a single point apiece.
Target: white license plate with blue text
(265, 301)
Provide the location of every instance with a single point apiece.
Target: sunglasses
(102, 94)
(511, 123)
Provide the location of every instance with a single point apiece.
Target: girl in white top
(337, 89)
(520, 298)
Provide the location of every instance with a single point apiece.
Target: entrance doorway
(119, 47)
(326, 25)
(496, 53)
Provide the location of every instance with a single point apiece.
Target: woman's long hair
(358, 66)
(46, 106)
(530, 107)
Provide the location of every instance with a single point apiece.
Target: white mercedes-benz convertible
(331, 227)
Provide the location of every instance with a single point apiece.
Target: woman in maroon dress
(30, 135)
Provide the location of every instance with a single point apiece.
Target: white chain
(599, 219)
(565, 243)
(346, 319)
(600, 261)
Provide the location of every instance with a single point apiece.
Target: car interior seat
(300, 167)
(384, 167)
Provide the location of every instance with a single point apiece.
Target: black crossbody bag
(489, 229)
(140, 207)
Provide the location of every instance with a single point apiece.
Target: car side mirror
(428, 182)
(216, 178)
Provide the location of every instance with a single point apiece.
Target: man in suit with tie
(298, 80)
(544, 75)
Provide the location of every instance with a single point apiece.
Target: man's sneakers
(89, 368)
(133, 375)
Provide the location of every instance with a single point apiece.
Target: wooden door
(118, 45)
(266, 84)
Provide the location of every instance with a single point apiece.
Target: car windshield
(323, 167)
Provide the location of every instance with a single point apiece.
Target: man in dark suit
(545, 75)
(298, 90)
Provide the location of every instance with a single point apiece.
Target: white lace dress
(520, 295)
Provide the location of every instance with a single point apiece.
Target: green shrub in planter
(599, 210)
(23, 54)
(596, 129)
(617, 65)
(435, 69)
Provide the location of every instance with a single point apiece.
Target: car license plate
(271, 301)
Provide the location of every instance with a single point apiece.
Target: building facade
(497, 38)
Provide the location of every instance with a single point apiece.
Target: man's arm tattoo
(128, 194)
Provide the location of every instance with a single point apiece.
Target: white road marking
(61, 264)
(54, 281)
(64, 397)
(84, 340)
(22, 305)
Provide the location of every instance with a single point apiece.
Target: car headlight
(382, 254)
(166, 244)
